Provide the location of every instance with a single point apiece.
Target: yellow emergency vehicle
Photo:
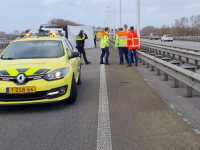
(39, 69)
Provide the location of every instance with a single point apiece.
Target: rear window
(155, 34)
(168, 36)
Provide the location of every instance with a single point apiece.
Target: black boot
(87, 63)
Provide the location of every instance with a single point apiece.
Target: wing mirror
(74, 55)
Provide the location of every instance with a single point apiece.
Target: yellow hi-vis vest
(121, 39)
(128, 30)
(104, 40)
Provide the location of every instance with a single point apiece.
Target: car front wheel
(73, 94)
(79, 78)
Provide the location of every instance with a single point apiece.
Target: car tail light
(165, 37)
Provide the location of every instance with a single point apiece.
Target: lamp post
(110, 15)
(138, 19)
(120, 14)
(114, 16)
(107, 17)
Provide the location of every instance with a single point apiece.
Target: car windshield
(168, 36)
(34, 49)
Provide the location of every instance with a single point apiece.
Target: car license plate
(169, 38)
(20, 90)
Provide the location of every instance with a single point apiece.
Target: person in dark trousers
(121, 43)
(128, 31)
(133, 45)
(80, 41)
(95, 39)
(104, 45)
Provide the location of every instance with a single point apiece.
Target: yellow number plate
(19, 90)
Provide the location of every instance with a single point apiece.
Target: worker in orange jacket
(133, 45)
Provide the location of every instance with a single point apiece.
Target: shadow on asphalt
(36, 108)
(39, 108)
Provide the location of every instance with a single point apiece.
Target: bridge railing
(180, 38)
(188, 49)
(189, 54)
(4, 43)
(189, 78)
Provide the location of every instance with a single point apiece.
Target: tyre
(73, 94)
(164, 40)
(172, 40)
(161, 40)
(79, 78)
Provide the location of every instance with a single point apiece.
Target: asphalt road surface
(116, 109)
(191, 45)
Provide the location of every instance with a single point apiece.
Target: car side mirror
(74, 55)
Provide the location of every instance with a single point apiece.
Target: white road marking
(196, 131)
(183, 99)
(179, 114)
(103, 134)
(172, 106)
(186, 121)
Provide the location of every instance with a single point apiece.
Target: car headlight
(56, 74)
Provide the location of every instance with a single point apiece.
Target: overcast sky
(23, 14)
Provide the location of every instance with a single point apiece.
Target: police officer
(80, 41)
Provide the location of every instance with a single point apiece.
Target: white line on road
(104, 135)
(182, 99)
(172, 106)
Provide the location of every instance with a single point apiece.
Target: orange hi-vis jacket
(133, 41)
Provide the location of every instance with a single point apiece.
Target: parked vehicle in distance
(167, 37)
(153, 36)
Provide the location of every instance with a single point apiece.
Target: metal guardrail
(4, 44)
(184, 38)
(188, 49)
(191, 79)
(188, 38)
(179, 52)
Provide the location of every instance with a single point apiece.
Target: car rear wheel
(73, 94)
